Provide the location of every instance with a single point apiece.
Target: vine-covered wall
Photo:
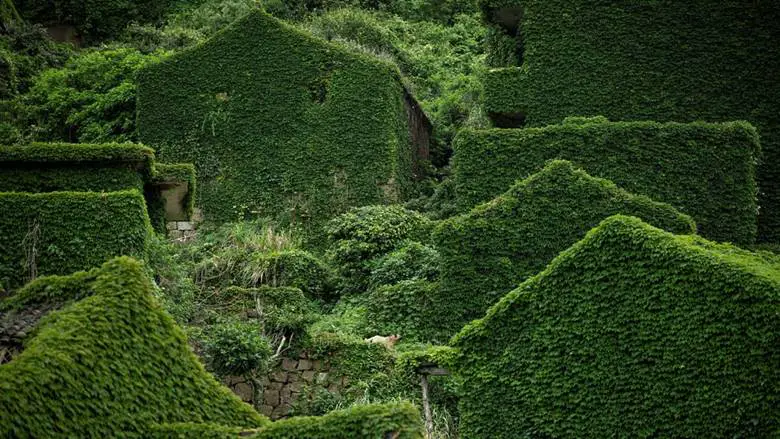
(492, 249)
(279, 123)
(652, 60)
(705, 170)
(631, 330)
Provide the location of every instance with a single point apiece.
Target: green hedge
(48, 167)
(704, 170)
(279, 123)
(655, 60)
(379, 421)
(112, 362)
(631, 330)
(498, 245)
(63, 232)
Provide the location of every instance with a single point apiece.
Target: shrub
(363, 234)
(289, 268)
(410, 262)
(63, 232)
(115, 341)
(626, 331)
(236, 348)
(626, 63)
(704, 170)
(282, 310)
(300, 154)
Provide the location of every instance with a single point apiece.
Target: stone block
(293, 377)
(333, 388)
(244, 391)
(304, 365)
(266, 410)
(175, 234)
(344, 381)
(271, 397)
(185, 225)
(289, 364)
(316, 364)
(281, 411)
(295, 387)
(170, 225)
(279, 376)
(322, 378)
(274, 386)
(308, 376)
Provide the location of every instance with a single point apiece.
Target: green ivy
(631, 330)
(656, 60)
(705, 170)
(48, 167)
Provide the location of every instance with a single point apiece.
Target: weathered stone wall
(275, 394)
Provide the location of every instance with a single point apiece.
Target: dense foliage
(89, 100)
(705, 170)
(112, 363)
(657, 60)
(298, 150)
(94, 19)
(492, 249)
(632, 330)
(362, 236)
(63, 232)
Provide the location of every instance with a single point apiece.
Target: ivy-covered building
(70, 207)
(282, 124)
(651, 60)
(631, 330)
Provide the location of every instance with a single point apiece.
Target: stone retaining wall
(274, 394)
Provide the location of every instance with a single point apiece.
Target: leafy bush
(626, 331)
(282, 310)
(365, 233)
(626, 63)
(410, 262)
(293, 268)
(236, 348)
(705, 170)
(26, 50)
(92, 99)
(403, 308)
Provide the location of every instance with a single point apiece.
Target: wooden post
(426, 406)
